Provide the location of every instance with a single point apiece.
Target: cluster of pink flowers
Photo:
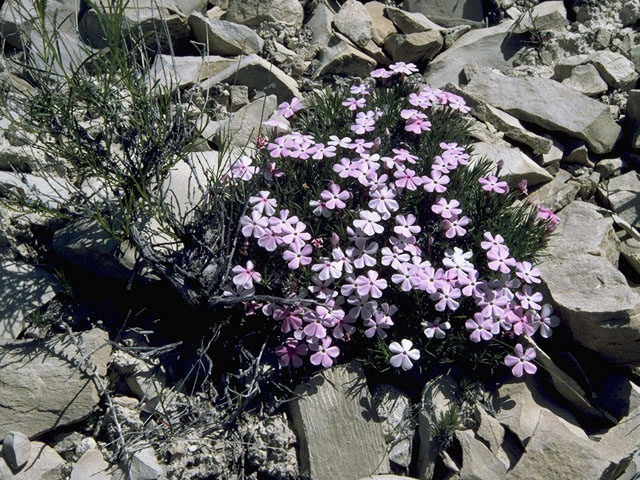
(380, 250)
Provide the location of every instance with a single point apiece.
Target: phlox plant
(371, 216)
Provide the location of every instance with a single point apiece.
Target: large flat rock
(340, 437)
(448, 13)
(550, 105)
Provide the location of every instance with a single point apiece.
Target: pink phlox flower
(493, 184)
(255, 225)
(362, 306)
(545, 321)
(403, 277)
(263, 204)
(291, 353)
(407, 178)
(362, 89)
(290, 317)
(335, 141)
(368, 223)
(436, 329)
(403, 155)
(505, 286)
(327, 269)
(243, 169)
(272, 171)
(297, 256)
(522, 361)
(277, 148)
(383, 200)
(288, 109)
(471, 284)
(446, 209)
(323, 152)
(360, 146)
(441, 165)
(238, 291)
(403, 68)
(370, 284)
(527, 272)
(334, 197)
(404, 354)
(393, 257)
(322, 289)
(481, 328)
(418, 124)
(365, 122)
(324, 353)
(270, 240)
(295, 234)
(446, 297)
(316, 326)
(303, 150)
(354, 104)
(364, 256)
(282, 220)
(492, 304)
(374, 182)
(458, 104)
(522, 322)
(369, 162)
(344, 327)
(432, 280)
(547, 215)
(406, 225)
(529, 299)
(344, 169)
(410, 113)
(491, 241)
(435, 183)
(419, 100)
(381, 73)
(458, 259)
(342, 260)
(454, 227)
(245, 276)
(357, 236)
(499, 260)
(377, 324)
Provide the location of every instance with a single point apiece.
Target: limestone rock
(24, 288)
(354, 21)
(493, 47)
(630, 250)
(478, 462)
(619, 395)
(408, 22)
(381, 26)
(341, 58)
(255, 12)
(447, 13)
(394, 409)
(517, 165)
(144, 465)
(496, 437)
(320, 25)
(610, 166)
(91, 465)
(554, 155)
(16, 449)
(333, 414)
(43, 389)
(550, 105)
(414, 47)
(577, 152)
(550, 15)
(224, 38)
(615, 68)
(586, 79)
(564, 66)
(52, 191)
(43, 464)
(556, 194)
(623, 195)
(554, 452)
(257, 74)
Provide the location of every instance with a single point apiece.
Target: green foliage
(443, 428)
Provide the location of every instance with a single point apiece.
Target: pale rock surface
(478, 462)
(224, 38)
(615, 68)
(414, 47)
(381, 26)
(517, 165)
(43, 464)
(630, 250)
(320, 24)
(556, 194)
(550, 15)
(610, 166)
(52, 191)
(623, 195)
(340, 58)
(394, 410)
(144, 465)
(255, 12)
(16, 449)
(354, 21)
(334, 415)
(446, 12)
(577, 152)
(496, 437)
(91, 466)
(43, 389)
(550, 105)
(586, 79)
(23, 289)
(408, 22)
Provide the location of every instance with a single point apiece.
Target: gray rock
(91, 466)
(563, 67)
(451, 35)
(257, 74)
(408, 22)
(180, 72)
(550, 15)
(22, 158)
(554, 155)
(335, 410)
(623, 195)
(224, 38)
(320, 25)
(632, 469)
(615, 68)
(394, 409)
(255, 12)
(338, 58)
(43, 389)
(387, 477)
(25, 288)
(586, 79)
(556, 194)
(630, 250)
(493, 47)
(555, 452)
(354, 21)
(478, 462)
(517, 165)
(414, 47)
(610, 166)
(619, 395)
(16, 449)
(51, 191)
(43, 464)
(494, 435)
(447, 13)
(438, 396)
(577, 152)
(633, 117)
(381, 26)
(520, 404)
(144, 465)
(550, 105)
